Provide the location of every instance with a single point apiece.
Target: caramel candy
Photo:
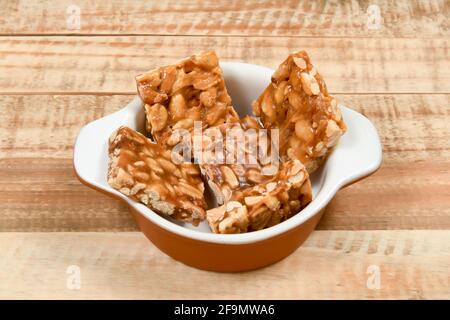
(266, 204)
(176, 96)
(246, 158)
(297, 102)
(144, 171)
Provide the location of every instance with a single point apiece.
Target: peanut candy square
(297, 102)
(246, 158)
(176, 96)
(266, 204)
(145, 172)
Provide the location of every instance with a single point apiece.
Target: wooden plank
(400, 195)
(263, 18)
(41, 193)
(330, 265)
(109, 64)
(40, 189)
(45, 126)
(412, 127)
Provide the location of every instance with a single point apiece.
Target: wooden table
(53, 80)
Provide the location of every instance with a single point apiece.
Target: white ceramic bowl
(357, 155)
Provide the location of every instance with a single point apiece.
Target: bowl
(357, 155)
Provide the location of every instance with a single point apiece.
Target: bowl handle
(90, 150)
(359, 153)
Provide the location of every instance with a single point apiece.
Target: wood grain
(54, 79)
(109, 64)
(331, 264)
(263, 18)
(41, 193)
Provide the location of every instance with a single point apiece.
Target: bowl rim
(304, 215)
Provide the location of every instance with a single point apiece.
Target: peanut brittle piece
(145, 172)
(177, 95)
(297, 102)
(246, 157)
(266, 204)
